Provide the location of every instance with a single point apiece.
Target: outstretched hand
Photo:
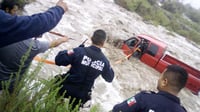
(63, 5)
(64, 39)
(58, 41)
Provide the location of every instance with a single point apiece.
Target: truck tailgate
(193, 82)
(189, 69)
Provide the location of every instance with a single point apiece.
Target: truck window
(152, 50)
(131, 42)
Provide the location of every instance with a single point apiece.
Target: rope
(39, 59)
(58, 34)
(126, 57)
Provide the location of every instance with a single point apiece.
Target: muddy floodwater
(131, 76)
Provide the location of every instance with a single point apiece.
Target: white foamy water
(130, 76)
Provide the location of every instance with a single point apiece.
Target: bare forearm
(57, 42)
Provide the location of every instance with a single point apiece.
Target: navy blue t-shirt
(150, 102)
(86, 65)
(17, 28)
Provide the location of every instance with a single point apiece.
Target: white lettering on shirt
(151, 110)
(86, 61)
(97, 64)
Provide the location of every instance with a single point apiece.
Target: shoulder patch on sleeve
(131, 101)
(70, 52)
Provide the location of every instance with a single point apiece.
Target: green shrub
(171, 16)
(133, 4)
(161, 18)
(194, 36)
(34, 95)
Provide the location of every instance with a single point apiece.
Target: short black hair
(8, 4)
(177, 76)
(99, 37)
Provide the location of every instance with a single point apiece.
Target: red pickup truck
(152, 52)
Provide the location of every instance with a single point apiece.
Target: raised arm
(17, 28)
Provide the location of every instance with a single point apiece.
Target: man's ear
(102, 44)
(164, 82)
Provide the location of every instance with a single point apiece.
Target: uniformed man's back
(160, 102)
(169, 85)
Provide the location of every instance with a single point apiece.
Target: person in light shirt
(12, 54)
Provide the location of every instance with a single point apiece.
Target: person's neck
(171, 92)
(97, 45)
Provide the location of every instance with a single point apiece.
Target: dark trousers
(76, 94)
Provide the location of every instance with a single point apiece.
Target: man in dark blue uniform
(172, 80)
(87, 63)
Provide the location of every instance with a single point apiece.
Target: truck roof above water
(154, 55)
(153, 40)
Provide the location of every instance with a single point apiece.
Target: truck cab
(152, 52)
(148, 49)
